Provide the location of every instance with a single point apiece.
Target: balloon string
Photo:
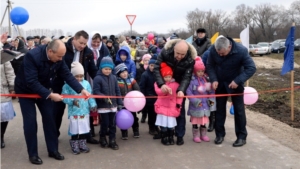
(193, 96)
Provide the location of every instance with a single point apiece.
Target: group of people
(166, 72)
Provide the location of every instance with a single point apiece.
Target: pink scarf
(145, 67)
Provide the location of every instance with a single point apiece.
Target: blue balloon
(124, 119)
(19, 16)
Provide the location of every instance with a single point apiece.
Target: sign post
(131, 19)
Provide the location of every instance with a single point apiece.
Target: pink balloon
(250, 96)
(150, 36)
(134, 101)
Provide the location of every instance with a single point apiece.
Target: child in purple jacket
(199, 107)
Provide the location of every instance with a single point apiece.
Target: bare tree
(195, 19)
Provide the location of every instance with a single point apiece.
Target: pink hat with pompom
(199, 65)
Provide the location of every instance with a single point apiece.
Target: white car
(266, 46)
(256, 50)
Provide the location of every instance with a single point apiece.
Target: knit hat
(201, 30)
(107, 62)
(146, 56)
(165, 70)
(199, 65)
(77, 69)
(120, 68)
(152, 61)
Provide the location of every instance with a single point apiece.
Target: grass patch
(280, 56)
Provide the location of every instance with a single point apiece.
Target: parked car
(297, 44)
(266, 46)
(256, 50)
(277, 47)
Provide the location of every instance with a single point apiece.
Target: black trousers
(30, 124)
(149, 109)
(181, 121)
(239, 113)
(108, 121)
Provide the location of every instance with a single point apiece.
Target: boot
(211, 125)
(75, 146)
(203, 135)
(103, 142)
(158, 135)
(152, 131)
(196, 136)
(136, 133)
(164, 138)
(171, 136)
(83, 147)
(113, 145)
(124, 134)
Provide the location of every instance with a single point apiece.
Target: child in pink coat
(167, 106)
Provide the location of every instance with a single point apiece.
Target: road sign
(130, 18)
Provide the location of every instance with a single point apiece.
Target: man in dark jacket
(39, 69)
(202, 43)
(179, 55)
(77, 50)
(229, 66)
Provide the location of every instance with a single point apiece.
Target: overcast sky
(108, 16)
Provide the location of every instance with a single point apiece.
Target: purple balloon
(124, 119)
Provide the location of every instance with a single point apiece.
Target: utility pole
(7, 10)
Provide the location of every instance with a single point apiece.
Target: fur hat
(201, 30)
(120, 68)
(199, 65)
(107, 62)
(165, 70)
(77, 69)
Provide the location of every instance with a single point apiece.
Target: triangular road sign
(130, 18)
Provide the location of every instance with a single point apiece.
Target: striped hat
(120, 68)
(107, 62)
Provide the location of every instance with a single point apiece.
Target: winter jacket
(237, 66)
(102, 53)
(16, 62)
(201, 46)
(167, 105)
(127, 85)
(139, 73)
(7, 80)
(106, 86)
(200, 107)
(84, 105)
(86, 58)
(128, 62)
(140, 53)
(133, 53)
(147, 86)
(112, 53)
(182, 70)
(37, 74)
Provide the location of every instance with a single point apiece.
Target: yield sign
(130, 18)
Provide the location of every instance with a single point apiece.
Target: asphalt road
(260, 152)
